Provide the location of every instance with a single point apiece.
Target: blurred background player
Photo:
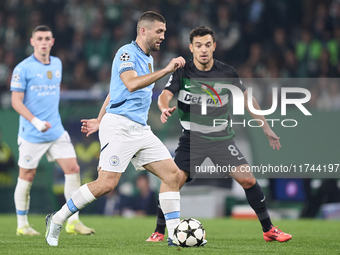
(124, 134)
(6, 158)
(200, 139)
(35, 90)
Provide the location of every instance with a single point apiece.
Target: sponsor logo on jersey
(45, 87)
(114, 160)
(150, 67)
(195, 99)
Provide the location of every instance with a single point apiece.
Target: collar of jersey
(139, 48)
(199, 71)
(39, 61)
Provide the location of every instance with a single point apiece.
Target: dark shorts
(191, 153)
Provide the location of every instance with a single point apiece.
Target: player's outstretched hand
(167, 113)
(174, 64)
(274, 140)
(90, 126)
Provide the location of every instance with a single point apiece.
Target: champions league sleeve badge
(125, 56)
(16, 77)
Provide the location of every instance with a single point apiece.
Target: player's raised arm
(134, 82)
(19, 107)
(90, 126)
(163, 105)
(274, 140)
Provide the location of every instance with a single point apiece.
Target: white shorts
(123, 140)
(31, 153)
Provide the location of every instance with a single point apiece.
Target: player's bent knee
(108, 187)
(76, 169)
(107, 181)
(27, 174)
(102, 187)
(183, 178)
(173, 177)
(73, 169)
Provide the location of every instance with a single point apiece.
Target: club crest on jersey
(28, 158)
(114, 160)
(125, 56)
(49, 74)
(57, 74)
(150, 67)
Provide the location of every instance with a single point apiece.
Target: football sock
(256, 200)
(72, 184)
(78, 201)
(160, 228)
(170, 204)
(22, 201)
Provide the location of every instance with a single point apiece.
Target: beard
(152, 45)
(203, 62)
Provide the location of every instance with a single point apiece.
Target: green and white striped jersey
(194, 87)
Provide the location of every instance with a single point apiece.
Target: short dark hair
(201, 31)
(149, 16)
(43, 28)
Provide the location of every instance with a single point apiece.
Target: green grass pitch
(116, 235)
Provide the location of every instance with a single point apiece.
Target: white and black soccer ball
(189, 233)
(16, 77)
(125, 56)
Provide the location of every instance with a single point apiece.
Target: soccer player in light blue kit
(123, 133)
(35, 90)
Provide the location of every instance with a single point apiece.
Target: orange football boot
(275, 234)
(156, 237)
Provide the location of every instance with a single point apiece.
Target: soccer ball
(189, 233)
(125, 56)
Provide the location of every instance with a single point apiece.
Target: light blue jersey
(133, 105)
(41, 85)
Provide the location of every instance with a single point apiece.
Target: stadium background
(261, 38)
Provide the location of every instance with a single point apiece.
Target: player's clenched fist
(42, 126)
(175, 63)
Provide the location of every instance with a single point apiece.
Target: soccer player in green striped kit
(200, 139)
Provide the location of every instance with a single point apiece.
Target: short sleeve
(174, 82)
(18, 81)
(238, 81)
(125, 60)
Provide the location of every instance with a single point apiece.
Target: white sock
(170, 205)
(22, 201)
(78, 201)
(72, 184)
